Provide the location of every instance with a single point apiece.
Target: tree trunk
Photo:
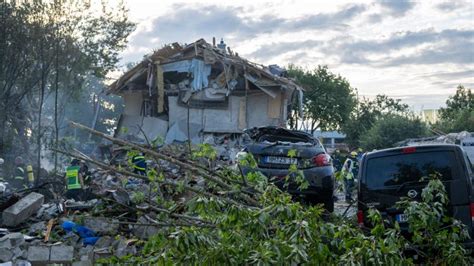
(56, 126)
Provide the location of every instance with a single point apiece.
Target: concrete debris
(22, 210)
(102, 225)
(61, 254)
(126, 209)
(38, 254)
(144, 231)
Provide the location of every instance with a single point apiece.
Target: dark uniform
(139, 164)
(19, 180)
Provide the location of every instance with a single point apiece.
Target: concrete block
(82, 263)
(5, 255)
(23, 209)
(61, 254)
(38, 253)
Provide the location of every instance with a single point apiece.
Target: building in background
(332, 140)
(430, 116)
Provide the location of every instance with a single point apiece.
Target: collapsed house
(201, 90)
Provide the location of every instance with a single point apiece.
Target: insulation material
(274, 106)
(133, 103)
(131, 126)
(198, 68)
(161, 89)
(242, 114)
(179, 132)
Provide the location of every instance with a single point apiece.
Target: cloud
(189, 23)
(432, 47)
(451, 5)
(447, 46)
(452, 75)
(268, 51)
(397, 7)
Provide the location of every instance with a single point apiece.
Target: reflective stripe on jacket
(31, 176)
(19, 173)
(139, 162)
(72, 177)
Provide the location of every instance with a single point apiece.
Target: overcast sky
(418, 51)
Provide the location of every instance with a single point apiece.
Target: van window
(398, 169)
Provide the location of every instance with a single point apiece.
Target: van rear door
(388, 176)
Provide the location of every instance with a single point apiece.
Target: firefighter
(74, 181)
(350, 170)
(138, 163)
(19, 180)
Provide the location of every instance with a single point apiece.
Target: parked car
(270, 147)
(387, 175)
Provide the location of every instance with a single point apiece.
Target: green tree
(51, 48)
(328, 98)
(367, 112)
(459, 112)
(391, 129)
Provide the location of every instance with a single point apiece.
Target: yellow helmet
(354, 153)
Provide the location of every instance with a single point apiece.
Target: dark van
(387, 175)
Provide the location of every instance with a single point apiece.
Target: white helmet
(1, 161)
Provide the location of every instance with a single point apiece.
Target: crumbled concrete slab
(23, 209)
(61, 254)
(12, 240)
(82, 263)
(5, 255)
(102, 225)
(144, 231)
(39, 254)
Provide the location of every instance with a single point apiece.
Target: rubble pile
(124, 210)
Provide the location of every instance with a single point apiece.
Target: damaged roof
(199, 56)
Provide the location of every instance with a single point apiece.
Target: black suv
(270, 147)
(387, 175)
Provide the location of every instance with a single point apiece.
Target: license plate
(279, 160)
(401, 218)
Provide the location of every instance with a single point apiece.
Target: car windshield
(398, 169)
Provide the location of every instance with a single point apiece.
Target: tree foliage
(390, 129)
(367, 112)
(281, 231)
(459, 112)
(51, 48)
(328, 98)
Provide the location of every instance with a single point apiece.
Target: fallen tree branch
(155, 154)
(164, 182)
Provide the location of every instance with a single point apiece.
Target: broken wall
(133, 103)
(264, 110)
(211, 120)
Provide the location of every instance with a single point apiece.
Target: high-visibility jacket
(72, 177)
(31, 176)
(350, 168)
(19, 173)
(139, 162)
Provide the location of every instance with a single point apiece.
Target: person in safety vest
(350, 170)
(74, 181)
(138, 163)
(19, 180)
